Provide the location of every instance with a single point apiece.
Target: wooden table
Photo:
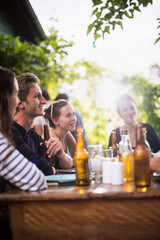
(97, 212)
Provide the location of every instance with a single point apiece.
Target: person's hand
(54, 147)
(54, 171)
(155, 162)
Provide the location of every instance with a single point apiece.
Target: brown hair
(121, 98)
(6, 90)
(25, 82)
(61, 96)
(53, 111)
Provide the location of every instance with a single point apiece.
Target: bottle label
(82, 169)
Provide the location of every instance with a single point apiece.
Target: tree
(147, 96)
(44, 60)
(110, 13)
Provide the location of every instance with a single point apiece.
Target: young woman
(14, 167)
(127, 110)
(62, 120)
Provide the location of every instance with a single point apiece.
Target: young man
(27, 141)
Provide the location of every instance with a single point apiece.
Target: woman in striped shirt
(14, 167)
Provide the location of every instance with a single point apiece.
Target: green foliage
(147, 96)
(44, 60)
(94, 118)
(158, 39)
(110, 13)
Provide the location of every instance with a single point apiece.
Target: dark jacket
(28, 143)
(152, 137)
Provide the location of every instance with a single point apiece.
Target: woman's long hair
(6, 90)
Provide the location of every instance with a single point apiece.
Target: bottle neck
(114, 139)
(46, 132)
(140, 136)
(80, 142)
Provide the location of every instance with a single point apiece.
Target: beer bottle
(127, 157)
(114, 144)
(141, 160)
(81, 161)
(46, 138)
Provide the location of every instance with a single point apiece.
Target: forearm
(19, 171)
(65, 160)
(155, 164)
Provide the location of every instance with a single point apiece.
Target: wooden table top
(94, 191)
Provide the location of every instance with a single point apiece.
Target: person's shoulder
(3, 141)
(53, 133)
(3, 138)
(147, 126)
(115, 130)
(17, 127)
(69, 135)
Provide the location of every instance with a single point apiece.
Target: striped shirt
(16, 169)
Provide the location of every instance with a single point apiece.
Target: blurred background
(49, 38)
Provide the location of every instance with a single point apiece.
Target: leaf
(157, 40)
(98, 26)
(127, 14)
(108, 15)
(107, 29)
(98, 14)
(120, 24)
(96, 36)
(90, 28)
(131, 11)
(113, 24)
(96, 2)
(137, 9)
(95, 10)
(119, 15)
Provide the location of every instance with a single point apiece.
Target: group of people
(21, 152)
(21, 147)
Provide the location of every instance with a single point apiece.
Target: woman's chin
(72, 129)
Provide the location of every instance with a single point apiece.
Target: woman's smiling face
(128, 111)
(67, 119)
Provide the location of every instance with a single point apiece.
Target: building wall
(6, 23)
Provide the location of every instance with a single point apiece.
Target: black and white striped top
(16, 169)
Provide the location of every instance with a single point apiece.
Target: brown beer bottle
(141, 160)
(114, 144)
(46, 138)
(81, 161)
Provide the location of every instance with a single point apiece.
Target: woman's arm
(15, 168)
(155, 162)
(56, 149)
